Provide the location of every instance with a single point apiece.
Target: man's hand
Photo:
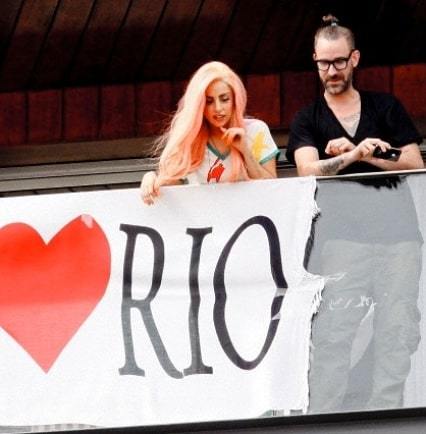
(339, 146)
(361, 152)
(367, 147)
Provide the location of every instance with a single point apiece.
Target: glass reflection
(367, 244)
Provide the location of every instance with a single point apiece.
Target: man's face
(336, 80)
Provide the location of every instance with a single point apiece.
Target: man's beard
(337, 88)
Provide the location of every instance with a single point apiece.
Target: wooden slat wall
(117, 112)
(279, 44)
(375, 78)
(172, 33)
(140, 25)
(263, 98)
(13, 118)
(409, 85)
(128, 110)
(61, 42)
(80, 113)
(154, 104)
(9, 12)
(44, 114)
(46, 44)
(97, 41)
(34, 22)
(297, 90)
(244, 31)
(74, 71)
(207, 35)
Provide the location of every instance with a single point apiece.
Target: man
(371, 256)
(329, 137)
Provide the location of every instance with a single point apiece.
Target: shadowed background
(85, 80)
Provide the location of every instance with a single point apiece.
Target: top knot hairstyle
(330, 20)
(332, 30)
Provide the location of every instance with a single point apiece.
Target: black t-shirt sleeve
(302, 133)
(400, 125)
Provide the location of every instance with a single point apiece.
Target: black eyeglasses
(339, 63)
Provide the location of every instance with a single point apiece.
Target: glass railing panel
(367, 352)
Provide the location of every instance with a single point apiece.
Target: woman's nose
(218, 106)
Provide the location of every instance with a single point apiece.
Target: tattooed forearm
(331, 166)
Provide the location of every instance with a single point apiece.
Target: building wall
(126, 111)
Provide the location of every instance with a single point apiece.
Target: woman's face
(219, 104)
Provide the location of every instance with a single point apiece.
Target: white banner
(198, 308)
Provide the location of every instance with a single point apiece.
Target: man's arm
(410, 159)
(308, 162)
(345, 153)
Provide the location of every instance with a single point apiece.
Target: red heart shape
(48, 290)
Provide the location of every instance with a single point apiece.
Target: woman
(209, 140)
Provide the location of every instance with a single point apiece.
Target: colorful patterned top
(216, 167)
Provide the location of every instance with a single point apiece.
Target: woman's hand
(235, 137)
(149, 188)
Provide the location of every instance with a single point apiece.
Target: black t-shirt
(365, 210)
(382, 116)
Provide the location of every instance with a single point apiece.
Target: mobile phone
(391, 154)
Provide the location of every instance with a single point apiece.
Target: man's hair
(331, 30)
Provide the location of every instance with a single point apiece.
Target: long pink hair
(184, 142)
